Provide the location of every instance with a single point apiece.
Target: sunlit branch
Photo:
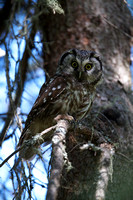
(105, 170)
(57, 159)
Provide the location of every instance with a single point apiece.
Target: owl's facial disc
(84, 65)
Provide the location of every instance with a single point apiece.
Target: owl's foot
(65, 117)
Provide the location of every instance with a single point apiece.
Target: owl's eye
(88, 66)
(74, 64)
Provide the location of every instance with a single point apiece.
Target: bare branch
(105, 170)
(35, 140)
(12, 154)
(57, 160)
(117, 28)
(20, 84)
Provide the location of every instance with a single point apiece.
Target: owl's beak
(80, 73)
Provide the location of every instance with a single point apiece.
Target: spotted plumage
(71, 91)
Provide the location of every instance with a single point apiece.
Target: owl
(70, 92)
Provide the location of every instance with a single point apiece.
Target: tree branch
(105, 170)
(20, 84)
(12, 154)
(57, 159)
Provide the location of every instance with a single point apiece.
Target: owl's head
(84, 65)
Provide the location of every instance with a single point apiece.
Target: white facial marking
(59, 87)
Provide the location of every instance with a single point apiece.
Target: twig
(116, 27)
(91, 146)
(8, 76)
(12, 154)
(128, 4)
(57, 159)
(35, 140)
(20, 84)
(126, 157)
(105, 171)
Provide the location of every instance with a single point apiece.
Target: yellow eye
(88, 66)
(74, 64)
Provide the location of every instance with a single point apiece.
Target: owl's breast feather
(76, 101)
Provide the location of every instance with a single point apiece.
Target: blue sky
(130, 2)
(31, 90)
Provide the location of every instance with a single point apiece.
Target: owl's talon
(64, 116)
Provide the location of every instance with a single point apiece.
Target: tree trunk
(105, 27)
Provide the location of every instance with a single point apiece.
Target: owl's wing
(48, 94)
(50, 91)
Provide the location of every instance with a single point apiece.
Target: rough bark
(104, 27)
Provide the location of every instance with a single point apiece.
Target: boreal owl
(71, 91)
